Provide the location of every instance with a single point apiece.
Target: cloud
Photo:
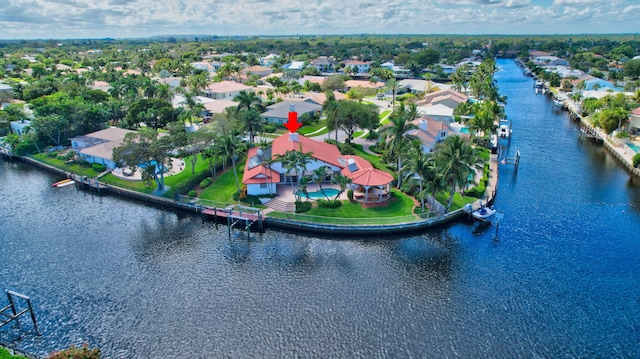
(135, 18)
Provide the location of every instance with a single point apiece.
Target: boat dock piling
(12, 308)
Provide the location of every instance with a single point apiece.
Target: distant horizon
(179, 36)
(135, 19)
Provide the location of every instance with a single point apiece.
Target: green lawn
(373, 159)
(170, 181)
(399, 205)
(73, 168)
(312, 127)
(224, 186)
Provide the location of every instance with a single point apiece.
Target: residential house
(97, 147)
(279, 112)
(412, 86)
(349, 84)
(101, 85)
(437, 112)
(225, 90)
(324, 64)
(634, 122)
(429, 132)
(450, 98)
(358, 67)
(269, 60)
(368, 183)
(260, 71)
(294, 66)
(549, 61)
(19, 127)
(6, 92)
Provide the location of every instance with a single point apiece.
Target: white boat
(558, 102)
(483, 213)
(504, 131)
(65, 184)
(62, 183)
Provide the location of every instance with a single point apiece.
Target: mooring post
(12, 304)
(33, 316)
(229, 223)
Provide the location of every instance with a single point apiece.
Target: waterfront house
(449, 97)
(269, 60)
(369, 184)
(429, 132)
(19, 127)
(634, 122)
(225, 90)
(97, 147)
(437, 112)
(294, 66)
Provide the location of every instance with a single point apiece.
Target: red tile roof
(322, 151)
(357, 168)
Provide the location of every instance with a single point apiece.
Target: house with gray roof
(279, 112)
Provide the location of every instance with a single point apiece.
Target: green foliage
(206, 182)
(350, 194)
(98, 167)
(76, 353)
(4, 354)
(323, 203)
(192, 193)
(52, 154)
(636, 160)
(303, 206)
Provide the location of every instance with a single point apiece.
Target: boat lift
(12, 312)
(512, 160)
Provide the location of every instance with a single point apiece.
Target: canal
(560, 280)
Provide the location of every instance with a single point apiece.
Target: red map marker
(293, 125)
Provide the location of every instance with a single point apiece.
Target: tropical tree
(351, 116)
(145, 148)
(197, 143)
(249, 100)
(418, 167)
(457, 161)
(343, 182)
(251, 122)
(396, 134)
(319, 174)
(211, 154)
(232, 145)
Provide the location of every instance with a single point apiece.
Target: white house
(634, 122)
(429, 132)
(19, 127)
(437, 112)
(362, 67)
(225, 90)
(97, 147)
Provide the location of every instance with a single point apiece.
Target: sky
(62, 19)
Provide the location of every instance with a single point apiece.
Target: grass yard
(73, 167)
(4, 354)
(399, 205)
(224, 186)
(312, 127)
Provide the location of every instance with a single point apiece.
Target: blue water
(634, 147)
(560, 281)
(325, 192)
(464, 130)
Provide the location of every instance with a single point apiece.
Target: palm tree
(164, 92)
(211, 154)
(330, 108)
(457, 160)
(417, 167)
(394, 86)
(396, 132)
(319, 175)
(343, 182)
(249, 100)
(232, 147)
(250, 121)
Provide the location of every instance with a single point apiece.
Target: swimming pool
(326, 192)
(464, 130)
(634, 147)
